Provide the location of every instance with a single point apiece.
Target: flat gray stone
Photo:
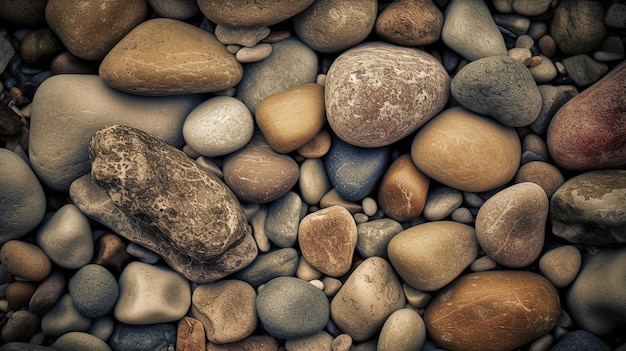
(283, 219)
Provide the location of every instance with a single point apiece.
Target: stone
(163, 57)
(150, 294)
(22, 201)
(318, 341)
(25, 260)
(20, 326)
(283, 218)
(254, 342)
(584, 70)
(522, 55)
(578, 26)
(378, 93)
(291, 64)
(79, 341)
(552, 97)
(155, 337)
(244, 36)
(190, 335)
(531, 8)
(469, 30)
(102, 327)
(47, 293)
(410, 23)
(545, 71)
(500, 87)
(19, 293)
(548, 177)
(330, 26)
(589, 208)
(10, 122)
(176, 216)
(374, 236)
(29, 14)
(258, 174)
(579, 340)
(242, 13)
(615, 16)
(256, 53)
(60, 130)
(371, 293)
(66, 238)
(63, 318)
(317, 147)
(561, 265)
(458, 148)
(275, 263)
(68, 63)
(587, 131)
(499, 310)
(513, 25)
(176, 9)
(39, 47)
(85, 28)
(23, 346)
(596, 290)
(327, 239)
(511, 224)
(291, 118)
(290, 308)
(429, 256)
(333, 198)
(218, 126)
(94, 290)
(226, 309)
(403, 190)
(547, 45)
(110, 252)
(6, 53)
(404, 330)
(313, 181)
(441, 202)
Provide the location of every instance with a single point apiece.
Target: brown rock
(410, 23)
(190, 335)
(18, 294)
(25, 13)
(316, 147)
(541, 173)
(10, 123)
(243, 13)
(251, 343)
(163, 56)
(68, 63)
(25, 260)
(22, 325)
(589, 131)
(578, 26)
(48, 293)
(498, 310)
(402, 191)
(327, 238)
(110, 252)
(90, 28)
(39, 47)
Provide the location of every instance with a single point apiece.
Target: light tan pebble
(560, 67)
(522, 55)
(416, 298)
(360, 218)
(545, 71)
(321, 79)
(472, 199)
(25, 260)
(482, 264)
(542, 343)
(547, 45)
(249, 210)
(503, 6)
(531, 8)
(462, 215)
(317, 283)
(533, 142)
(244, 13)
(209, 165)
(254, 54)
(537, 29)
(404, 330)
(318, 341)
(331, 285)
(541, 173)
(369, 206)
(410, 23)
(313, 181)
(258, 230)
(333, 198)
(342, 342)
(244, 36)
(232, 48)
(307, 272)
(190, 335)
(4, 306)
(561, 265)
(524, 42)
(316, 147)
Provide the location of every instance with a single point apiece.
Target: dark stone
(154, 337)
(10, 123)
(39, 47)
(580, 340)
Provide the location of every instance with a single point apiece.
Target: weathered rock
(402, 191)
(190, 335)
(492, 311)
(163, 57)
(373, 236)
(47, 293)
(155, 337)
(275, 263)
(378, 93)
(39, 47)
(580, 340)
(553, 97)
(578, 26)
(63, 318)
(242, 13)
(584, 70)
(410, 23)
(467, 151)
(20, 326)
(589, 131)
(86, 27)
(589, 209)
(531, 8)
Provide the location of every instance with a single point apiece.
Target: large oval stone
(589, 131)
(589, 208)
(429, 256)
(497, 310)
(164, 56)
(378, 93)
(511, 225)
(467, 151)
(243, 13)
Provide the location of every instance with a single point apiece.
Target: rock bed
(312, 175)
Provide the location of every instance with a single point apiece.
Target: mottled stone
(371, 293)
(403, 190)
(329, 26)
(79, 341)
(39, 47)
(467, 151)
(578, 26)
(511, 224)
(492, 311)
(275, 263)
(410, 23)
(316, 147)
(404, 330)
(428, 256)
(378, 93)
(561, 265)
(94, 290)
(85, 27)
(541, 173)
(25, 260)
(327, 239)
(589, 209)
(283, 217)
(241, 13)
(190, 335)
(163, 57)
(160, 196)
(441, 202)
(155, 337)
(374, 236)
(580, 340)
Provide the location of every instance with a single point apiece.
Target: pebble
(143, 254)
(327, 239)
(333, 198)
(79, 341)
(254, 54)
(39, 47)
(404, 330)
(66, 238)
(462, 215)
(531, 8)
(22, 201)
(329, 26)
(242, 13)
(20, 326)
(190, 335)
(291, 118)
(615, 15)
(482, 264)
(469, 30)
(374, 236)
(110, 252)
(30, 14)
(342, 342)
(102, 327)
(10, 121)
(318, 341)
(547, 45)
(513, 23)
(378, 93)
(47, 293)
(176, 9)
(196, 61)
(275, 263)
(578, 26)
(226, 309)
(94, 290)
(291, 308)
(410, 23)
(456, 148)
(485, 86)
(541, 173)
(545, 71)
(24, 346)
(403, 190)
(68, 63)
(258, 229)
(553, 97)
(313, 181)
(522, 55)
(584, 70)
(25, 260)
(6, 52)
(19, 293)
(524, 42)
(561, 265)
(63, 318)
(441, 202)
(225, 119)
(316, 147)
(150, 294)
(307, 272)
(85, 29)
(283, 218)
(155, 337)
(537, 29)
(242, 36)
(428, 256)
(580, 340)
(507, 308)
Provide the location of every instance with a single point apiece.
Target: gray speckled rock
(154, 337)
(373, 236)
(590, 207)
(283, 217)
(578, 26)
(94, 290)
(500, 87)
(276, 263)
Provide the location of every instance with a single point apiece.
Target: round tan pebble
(541, 173)
(498, 310)
(25, 260)
(290, 119)
(343, 342)
(534, 143)
(561, 265)
(482, 264)
(256, 53)
(331, 285)
(547, 45)
(316, 147)
(404, 330)
(415, 297)
(410, 23)
(18, 294)
(403, 190)
(467, 151)
(307, 272)
(244, 13)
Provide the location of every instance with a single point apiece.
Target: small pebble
(253, 54)
(484, 263)
(307, 272)
(524, 42)
(25, 260)
(415, 297)
(244, 36)
(547, 45)
(441, 202)
(63, 318)
(19, 293)
(94, 290)
(543, 72)
(79, 341)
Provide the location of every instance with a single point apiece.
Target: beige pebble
(545, 71)
(232, 48)
(333, 198)
(524, 41)
(258, 230)
(25, 260)
(404, 330)
(416, 298)
(243, 36)
(482, 264)
(316, 147)
(253, 54)
(534, 143)
(318, 341)
(561, 265)
(541, 173)
(190, 335)
(307, 272)
(321, 79)
(313, 181)
(369, 206)
(522, 55)
(342, 342)
(331, 285)
(317, 283)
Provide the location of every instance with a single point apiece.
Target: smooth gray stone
(283, 219)
(63, 318)
(153, 337)
(277, 263)
(94, 290)
(517, 24)
(584, 70)
(143, 254)
(441, 202)
(552, 98)
(374, 236)
(79, 341)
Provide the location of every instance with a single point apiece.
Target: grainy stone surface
(242, 13)
(578, 26)
(410, 22)
(403, 190)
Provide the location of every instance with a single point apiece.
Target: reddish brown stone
(190, 335)
(410, 23)
(403, 190)
(110, 252)
(18, 294)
